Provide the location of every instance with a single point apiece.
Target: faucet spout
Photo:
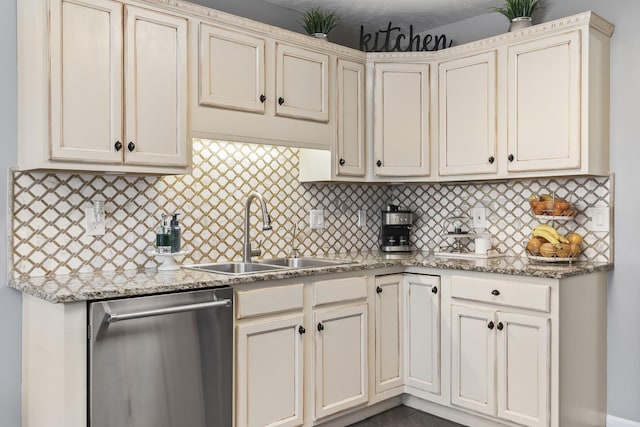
(266, 225)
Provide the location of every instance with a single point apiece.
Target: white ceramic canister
(482, 243)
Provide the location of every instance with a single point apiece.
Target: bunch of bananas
(547, 242)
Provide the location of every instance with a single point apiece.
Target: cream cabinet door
(544, 103)
(231, 69)
(523, 369)
(341, 368)
(389, 333)
(302, 83)
(350, 148)
(473, 349)
(422, 326)
(467, 97)
(86, 80)
(155, 89)
(270, 373)
(401, 120)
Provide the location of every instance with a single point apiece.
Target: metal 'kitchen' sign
(392, 39)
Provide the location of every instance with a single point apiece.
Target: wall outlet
(362, 217)
(94, 219)
(316, 219)
(479, 217)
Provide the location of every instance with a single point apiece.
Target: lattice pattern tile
(47, 211)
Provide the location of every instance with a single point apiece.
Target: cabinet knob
(490, 325)
(434, 290)
(378, 290)
(500, 326)
(301, 330)
(342, 162)
(320, 327)
(379, 163)
(131, 146)
(281, 100)
(491, 160)
(495, 292)
(118, 145)
(263, 98)
(511, 157)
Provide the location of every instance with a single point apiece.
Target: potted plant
(519, 12)
(317, 23)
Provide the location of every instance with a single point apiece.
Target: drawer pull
(434, 290)
(500, 326)
(490, 325)
(378, 290)
(301, 330)
(320, 327)
(495, 292)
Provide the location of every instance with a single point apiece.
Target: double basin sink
(267, 265)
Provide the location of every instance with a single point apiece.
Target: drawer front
(328, 291)
(502, 292)
(275, 299)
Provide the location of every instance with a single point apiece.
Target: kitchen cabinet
(401, 136)
(269, 356)
(389, 333)
(467, 103)
(117, 90)
(422, 333)
(349, 152)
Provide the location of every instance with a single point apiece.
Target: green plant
(519, 8)
(316, 20)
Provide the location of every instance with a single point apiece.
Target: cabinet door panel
(422, 344)
(544, 103)
(156, 88)
(269, 373)
(523, 369)
(302, 83)
(401, 134)
(340, 359)
(231, 69)
(389, 337)
(350, 143)
(473, 359)
(86, 80)
(467, 104)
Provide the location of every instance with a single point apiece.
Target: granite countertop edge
(102, 285)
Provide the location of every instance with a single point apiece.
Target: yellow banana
(546, 235)
(546, 197)
(552, 231)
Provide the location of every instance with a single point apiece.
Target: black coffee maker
(395, 229)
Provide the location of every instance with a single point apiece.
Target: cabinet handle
(491, 160)
(500, 326)
(281, 100)
(131, 146)
(320, 327)
(490, 325)
(118, 145)
(434, 290)
(495, 292)
(378, 290)
(301, 330)
(510, 157)
(263, 98)
(379, 163)
(342, 162)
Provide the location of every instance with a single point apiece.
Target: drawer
(502, 292)
(328, 291)
(263, 301)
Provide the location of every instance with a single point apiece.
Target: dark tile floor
(403, 416)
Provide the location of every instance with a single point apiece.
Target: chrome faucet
(293, 248)
(266, 225)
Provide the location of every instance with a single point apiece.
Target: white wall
(624, 283)
(10, 312)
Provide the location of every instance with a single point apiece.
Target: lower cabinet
(389, 333)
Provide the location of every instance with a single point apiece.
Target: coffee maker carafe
(395, 229)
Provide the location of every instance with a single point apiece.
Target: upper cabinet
(401, 140)
(350, 143)
(113, 94)
(467, 115)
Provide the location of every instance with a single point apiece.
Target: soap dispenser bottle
(163, 236)
(175, 233)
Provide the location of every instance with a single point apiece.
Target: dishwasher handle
(114, 317)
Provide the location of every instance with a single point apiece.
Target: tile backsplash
(48, 236)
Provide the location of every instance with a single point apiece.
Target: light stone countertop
(111, 284)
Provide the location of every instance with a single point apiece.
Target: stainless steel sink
(303, 262)
(234, 268)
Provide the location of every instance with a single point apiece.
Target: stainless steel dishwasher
(162, 360)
